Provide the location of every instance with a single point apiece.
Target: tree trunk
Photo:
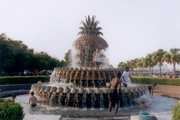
(174, 69)
(149, 72)
(160, 69)
(152, 71)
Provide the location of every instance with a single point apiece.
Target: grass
(158, 80)
(176, 112)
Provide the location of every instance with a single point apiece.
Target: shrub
(10, 110)
(176, 112)
(22, 79)
(152, 80)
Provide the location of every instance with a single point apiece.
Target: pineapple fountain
(84, 83)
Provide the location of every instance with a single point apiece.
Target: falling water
(100, 57)
(75, 60)
(54, 77)
(101, 101)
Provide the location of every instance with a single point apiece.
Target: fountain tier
(83, 77)
(84, 88)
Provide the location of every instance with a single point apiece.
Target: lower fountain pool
(160, 107)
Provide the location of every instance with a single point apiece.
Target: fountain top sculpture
(90, 44)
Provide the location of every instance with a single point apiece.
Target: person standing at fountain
(33, 100)
(114, 96)
(119, 90)
(126, 77)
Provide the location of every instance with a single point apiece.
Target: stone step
(99, 118)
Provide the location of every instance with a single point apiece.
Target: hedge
(176, 112)
(22, 79)
(10, 110)
(152, 80)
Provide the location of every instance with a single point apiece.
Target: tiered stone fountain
(87, 85)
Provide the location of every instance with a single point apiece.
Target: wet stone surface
(160, 107)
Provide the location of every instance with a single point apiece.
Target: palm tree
(130, 64)
(140, 64)
(122, 65)
(149, 62)
(173, 57)
(135, 63)
(158, 57)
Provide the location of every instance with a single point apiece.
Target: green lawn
(152, 80)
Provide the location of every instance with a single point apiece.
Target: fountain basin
(66, 94)
(160, 107)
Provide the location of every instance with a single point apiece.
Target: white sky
(132, 28)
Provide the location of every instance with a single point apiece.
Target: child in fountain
(125, 78)
(33, 100)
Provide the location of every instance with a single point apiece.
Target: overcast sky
(132, 28)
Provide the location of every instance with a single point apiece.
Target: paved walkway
(100, 118)
(168, 90)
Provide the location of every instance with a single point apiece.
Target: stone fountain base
(160, 107)
(113, 117)
(86, 97)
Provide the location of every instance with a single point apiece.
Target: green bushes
(176, 112)
(22, 79)
(10, 110)
(15, 57)
(151, 80)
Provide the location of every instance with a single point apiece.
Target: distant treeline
(15, 57)
(158, 57)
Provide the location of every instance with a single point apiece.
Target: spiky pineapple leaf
(90, 26)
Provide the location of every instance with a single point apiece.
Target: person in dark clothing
(150, 88)
(113, 100)
(114, 97)
(120, 98)
(80, 98)
(88, 100)
(97, 100)
(76, 101)
(63, 99)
